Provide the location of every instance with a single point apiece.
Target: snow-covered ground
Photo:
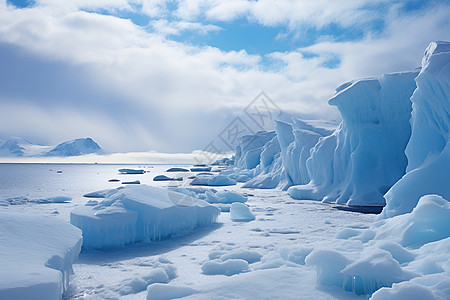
(126, 272)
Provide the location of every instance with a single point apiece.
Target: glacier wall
(391, 125)
(428, 150)
(365, 156)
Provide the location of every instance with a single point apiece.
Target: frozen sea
(121, 273)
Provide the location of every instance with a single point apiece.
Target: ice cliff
(428, 150)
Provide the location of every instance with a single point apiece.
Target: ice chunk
(132, 182)
(365, 156)
(166, 178)
(407, 248)
(176, 169)
(239, 212)
(159, 291)
(20, 200)
(36, 255)
(131, 171)
(247, 255)
(228, 267)
(200, 169)
(215, 180)
(140, 213)
(97, 194)
(231, 197)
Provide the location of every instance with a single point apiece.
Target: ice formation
(20, 200)
(213, 180)
(201, 169)
(402, 251)
(140, 213)
(131, 171)
(36, 255)
(365, 156)
(132, 182)
(240, 212)
(166, 178)
(177, 169)
(228, 267)
(76, 147)
(428, 149)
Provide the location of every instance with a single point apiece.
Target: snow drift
(140, 213)
(36, 255)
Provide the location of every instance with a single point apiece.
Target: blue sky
(170, 75)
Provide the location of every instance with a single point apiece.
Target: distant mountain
(76, 147)
(18, 147)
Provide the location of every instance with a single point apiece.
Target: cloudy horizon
(169, 76)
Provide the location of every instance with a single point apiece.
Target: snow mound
(36, 255)
(131, 171)
(166, 292)
(140, 213)
(240, 212)
(229, 267)
(428, 150)
(411, 249)
(225, 252)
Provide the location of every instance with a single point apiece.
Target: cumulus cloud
(67, 72)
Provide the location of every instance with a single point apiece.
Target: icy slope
(36, 255)
(428, 149)
(140, 213)
(76, 147)
(365, 156)
(406, 252)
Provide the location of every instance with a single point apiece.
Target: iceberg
(214, 180)
(36, 255)
(132, 182)
(140, 214)
(177, 169)
(428, 150)
(365, 156)
(131, 171)
(166, 178)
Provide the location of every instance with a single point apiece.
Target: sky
(171, 76)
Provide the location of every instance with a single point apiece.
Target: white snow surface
(140, 213)
(36, 255)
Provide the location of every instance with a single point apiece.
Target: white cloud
(164, 27)
(147, 92)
